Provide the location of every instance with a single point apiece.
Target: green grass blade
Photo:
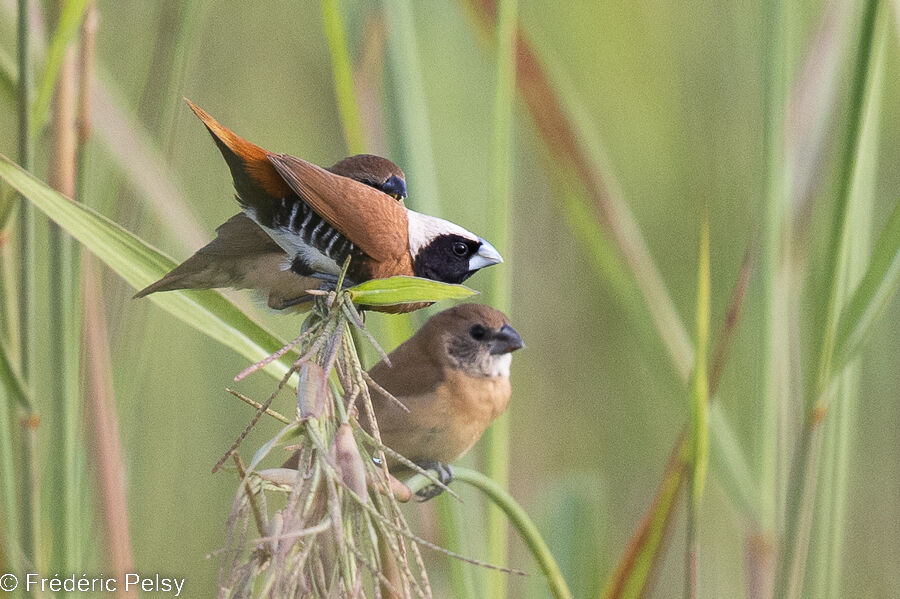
(700, 385)
(827, 544)
(730, 466)
(67, 28)
(342, 73)
(12, 543)
(839, 230)
(635, 569)
(873, 294)
(699, 414)
(587, 154)
(129, 145)
(801, 484)
(776, 355)
(140, 264)
(406, 290)
(29, 467)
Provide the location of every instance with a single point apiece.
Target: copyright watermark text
(73, 583)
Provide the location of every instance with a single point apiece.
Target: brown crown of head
(374, 171)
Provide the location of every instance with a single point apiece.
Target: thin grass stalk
(188, 39)
(12, 540)
(65, 395)
(497, 438)
(826, 573)
(30, 469)
(775, 398)
(699, 436)
(109, 470)
(798, 510)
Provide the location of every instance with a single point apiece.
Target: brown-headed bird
(319, 218)
(453, 377)
(244, 256)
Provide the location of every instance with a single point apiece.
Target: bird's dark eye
(477, 332)
(460, 249)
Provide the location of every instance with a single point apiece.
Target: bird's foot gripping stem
(444, 474)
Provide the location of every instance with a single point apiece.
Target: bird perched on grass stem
(453, 378)
(319, 218)
(244, 256)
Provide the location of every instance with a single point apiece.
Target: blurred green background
(673, 90)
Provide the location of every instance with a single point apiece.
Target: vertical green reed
(30, 473)
(12, 546)
(699, 435)
(414, 134)
(342, 73)
(800, 491)
(64, 309)
(840, 426)
(496, 439)
(776, 354)
(414, 131)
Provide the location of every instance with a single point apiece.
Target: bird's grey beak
(487, 256)
(505, 341)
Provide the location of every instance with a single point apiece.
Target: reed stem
(798, 510)
(496, 440)
(65, 395)
(30, 469)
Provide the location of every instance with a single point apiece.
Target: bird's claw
(444, 474)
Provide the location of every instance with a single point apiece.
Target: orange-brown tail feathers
(255, 179)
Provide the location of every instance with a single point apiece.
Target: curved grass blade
(872, 295)
(140, 264)
(519, 520)
(406, 290)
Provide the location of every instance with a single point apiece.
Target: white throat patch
(424, 228)
(498, 365)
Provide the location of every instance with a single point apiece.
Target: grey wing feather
(242, 255)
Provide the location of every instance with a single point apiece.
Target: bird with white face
(319, 218)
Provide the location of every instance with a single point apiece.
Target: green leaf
(872, 295)
(140, 264)
(406, 290)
